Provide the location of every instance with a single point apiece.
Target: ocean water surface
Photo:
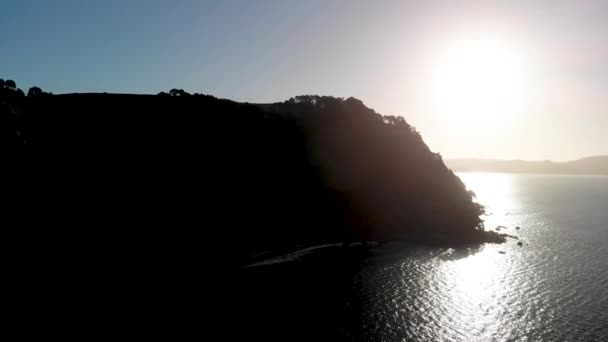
(552, 288)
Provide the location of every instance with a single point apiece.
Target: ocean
(549, 282)
(552, 288)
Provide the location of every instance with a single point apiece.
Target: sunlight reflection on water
(474, 293)
(496, 192)
(552, 288)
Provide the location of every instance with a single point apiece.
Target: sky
(487, 79)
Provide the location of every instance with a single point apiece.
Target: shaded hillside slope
(180, 174)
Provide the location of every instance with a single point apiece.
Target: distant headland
(596, 165)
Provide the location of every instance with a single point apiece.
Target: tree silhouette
(10, 84)
(34, 91)
(11, 103)
(178, 92)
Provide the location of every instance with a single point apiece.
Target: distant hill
(596, 165)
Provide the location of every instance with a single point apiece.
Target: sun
(479, 80)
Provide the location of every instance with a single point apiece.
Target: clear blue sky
(381, 52)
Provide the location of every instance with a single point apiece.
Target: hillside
(178, 174)
(597, 165)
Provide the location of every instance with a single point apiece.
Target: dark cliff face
(181, 173)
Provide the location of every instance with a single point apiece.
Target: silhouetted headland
(596, 165)
(150, 206)
(175, 173)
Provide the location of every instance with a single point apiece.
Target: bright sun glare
(479, 81)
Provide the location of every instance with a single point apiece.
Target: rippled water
(553, 288)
